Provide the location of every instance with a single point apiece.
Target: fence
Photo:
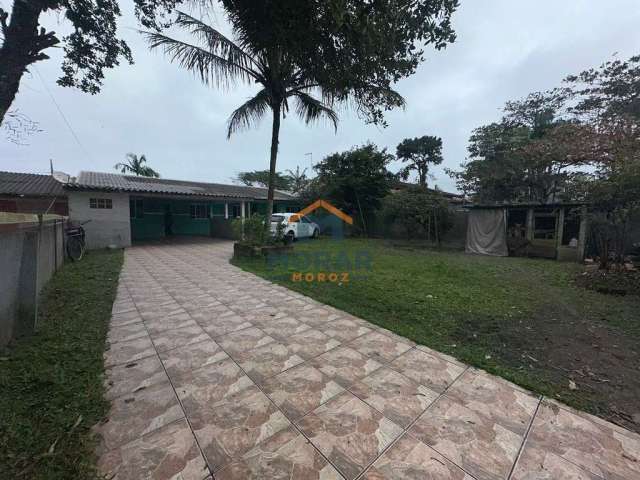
(30, 252)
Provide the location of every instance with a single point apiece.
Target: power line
(64, 118)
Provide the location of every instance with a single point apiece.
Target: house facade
(116, 210)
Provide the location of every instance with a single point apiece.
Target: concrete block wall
(106, 227)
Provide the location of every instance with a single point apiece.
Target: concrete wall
(106, 226)
(29, 255)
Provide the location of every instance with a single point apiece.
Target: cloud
(504, 50)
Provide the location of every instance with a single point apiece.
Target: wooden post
(226, 211)
(582, 236)
(559, 229)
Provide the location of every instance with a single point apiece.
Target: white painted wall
(107, 226)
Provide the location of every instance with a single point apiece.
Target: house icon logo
(330, 219)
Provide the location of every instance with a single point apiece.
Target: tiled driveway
(214, 372)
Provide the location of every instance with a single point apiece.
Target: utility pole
(51, 165)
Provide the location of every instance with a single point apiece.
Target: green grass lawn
(523, 319)
(51, 390)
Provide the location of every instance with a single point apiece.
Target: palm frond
(310, 109)
(249, 113)
(216, 42)
(210, 67)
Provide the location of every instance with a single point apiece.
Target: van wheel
(316, 233)
(289, 238)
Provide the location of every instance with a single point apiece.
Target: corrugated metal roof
(114, 182)
(13, 183)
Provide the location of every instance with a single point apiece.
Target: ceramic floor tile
(494, 397)
(178, 337)
(379, 347)
(169, 453)
(211, 384)
(345, 365)
(225, 325)
(287, 455)
(300, 390)
(125, 318)
(128, 351)
(344, 329)
(130, 331)
(537, 464)
(137, 414)
(268, 360)
(228, 429)
(602, 450)
(133, 377)
(183, 360)
(427, 369)
(162, 324)
(349, 433)
(397, 397)
(283, 327)
(444, 356)
(472, 441)
(310, 343)
(237, 343)
(410, 459)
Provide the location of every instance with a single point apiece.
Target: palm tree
(136, 165)
(218, 60)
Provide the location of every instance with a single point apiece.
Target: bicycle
(76, 241)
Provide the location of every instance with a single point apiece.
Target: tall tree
(260, 178)
(137, 166)
(299, 179)
(419, 153)
(339, 50)
(355, 181)
(92, 47)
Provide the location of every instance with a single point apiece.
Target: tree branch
(3, 21)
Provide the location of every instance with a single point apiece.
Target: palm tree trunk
(275, 134)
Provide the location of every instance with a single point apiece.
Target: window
(199, 211)
(305, 220)
(100, 203)
(136, 208)
(234, 210)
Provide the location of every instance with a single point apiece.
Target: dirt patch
(586, 363)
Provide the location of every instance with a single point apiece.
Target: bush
(252, 231)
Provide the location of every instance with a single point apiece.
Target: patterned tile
(379, 347)
(495, 398)
(600, 449)
(209, 385)
(224, 325)
(134, 415)
(268, 360)
(399, 398)
(409, 459)
(130, 331)
(179, 337)
(537, 464)
(128, 351)
(287, 455)
(282, 327)
(230, 428)
(476, 443)
(310, 343)
(427, 369)
(168, 453)
(344, 329)
(300, 390)
(180, 361)
(349, 433)
(133, 377)
(125, 318)
(444, 356)
(237, 343)
(172, 322)
(345, 365)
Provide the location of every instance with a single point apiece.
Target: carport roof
(113, 182)
(14, 183)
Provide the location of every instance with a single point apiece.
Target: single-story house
(118, 209)
(554, 230)
(32, 193)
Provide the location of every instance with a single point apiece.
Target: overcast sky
(505, 49)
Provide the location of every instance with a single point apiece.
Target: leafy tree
(341, 50)
(261, 178)
(419, 153)
(299, 180)
(355, 181)
(137, 166)
(92, 47)
(423, 213)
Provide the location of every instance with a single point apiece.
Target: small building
(116, 210)
(554, 230)
(32, 193)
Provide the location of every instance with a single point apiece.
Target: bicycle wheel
(75, 248)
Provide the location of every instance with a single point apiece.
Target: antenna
(310, 155)
(51, 165)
